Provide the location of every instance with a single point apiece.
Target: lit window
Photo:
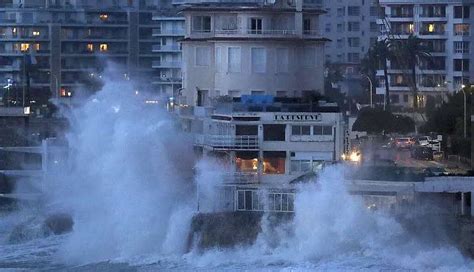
(90, 47)
(14, 31)
(36, 33)
(104, 17)
(24, 47)
(103, 47)
(431, 28)
(37, 46)
(411, 27)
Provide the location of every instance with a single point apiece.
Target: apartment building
(168, 32)
(445, 28)
(251, 48)
(351, 26)
(65, 44)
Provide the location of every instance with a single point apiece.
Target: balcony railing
(172, 32)
(167, 80)
(166, 64)
(158, 48)
(283, 33)
(241, 178)
(230, 142)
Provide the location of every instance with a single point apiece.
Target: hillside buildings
(445, 28)
(67, 43)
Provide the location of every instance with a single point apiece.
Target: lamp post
(370, 84)
(465, 110)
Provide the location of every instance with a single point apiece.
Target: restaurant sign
(298, 117)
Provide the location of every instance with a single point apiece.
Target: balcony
(230, 142)
(167, 80)
(166, 64)
(241, 178)
(247, 33)
(166, 48)
(167, 32)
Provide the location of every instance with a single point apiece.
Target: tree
(412, 52)
(376, 121)
(382, 51)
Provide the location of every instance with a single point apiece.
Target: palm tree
(412, 52)
(382, 51)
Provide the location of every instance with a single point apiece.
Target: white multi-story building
(445, 28)
(270, 144)
(256, 48)
(170, 29)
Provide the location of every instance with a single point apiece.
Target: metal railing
(254, 32)
(241, 178)
(158, 47)
(241, 142)
(158, 31)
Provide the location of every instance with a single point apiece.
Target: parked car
(424, 140)
(422, 153)
(404, 142)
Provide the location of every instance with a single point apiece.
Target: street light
(465, 110)
(370, 83)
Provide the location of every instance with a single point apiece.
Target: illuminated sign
(298, 117)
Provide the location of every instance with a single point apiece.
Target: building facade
(170, 29)
(445, 28)
(257, 48)
(69, 42)
(265, 146)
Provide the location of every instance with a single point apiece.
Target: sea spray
(128, 178)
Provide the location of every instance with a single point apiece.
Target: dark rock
(59, 223)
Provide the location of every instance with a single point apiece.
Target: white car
(424, 140)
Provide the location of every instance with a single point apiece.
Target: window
(202, 23)
(274, 162)
(300, 165)
(328, 28)
(395, 99)
(301, 130)
(340, 12)
(461, 65)
(353, 57)
(405, 98)
(461, 47)
(274, 132)
(307, 26)
(433, 11)
(246, 161)
(353, 10)
(353, 26)
(461, 12)
(229, 22)
(218, 59)
(322, 130)
(309, 56)
(104, 17)
(353, 42)
(103, 47)
(461, 29)
(233, 60)
(24, 47)
(259, 60)
(90, 47)
(203, 56)
(36, 33)
(282, 60)
(256, 26)
(340, 28)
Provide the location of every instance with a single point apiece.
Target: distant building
(255, 48)
(70, 41)
(169, 30)
(351, 26)
(445, 27)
